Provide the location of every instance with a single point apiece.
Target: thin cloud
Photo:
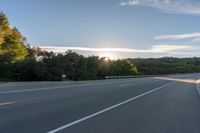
(168, 48)
(178, 37)
(153, 49)
(63, 49)
(173, 6)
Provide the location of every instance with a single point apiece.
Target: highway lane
(46, 106)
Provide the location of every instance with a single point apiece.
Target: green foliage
(6, 72)
(73, 65)
(20, 62)
(167, 65)
(92, 67)
(12, 50)
(122, 68)
(78, 67)
(104, 67)
(54, 68)
(4, 25)
(115, 68)
(35, 52)
(29, 70)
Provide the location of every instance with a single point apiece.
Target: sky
(113, 28)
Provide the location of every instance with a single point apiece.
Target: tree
(123, 68)
(4, 26)
(29, 70)
(36, 52)
(12, 50)
(92, 66)
(103, 68)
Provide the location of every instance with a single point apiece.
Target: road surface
(167, 104)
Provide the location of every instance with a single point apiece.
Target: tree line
(166, 65)
(21, 62)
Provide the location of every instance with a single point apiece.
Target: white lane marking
(198, 86)
(58, 87)
(50, 88)
(6, 103)
(107, 109)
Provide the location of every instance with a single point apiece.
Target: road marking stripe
(198, 86)
(53, 88)
(7, 103)
(60, 87)
(107, 109)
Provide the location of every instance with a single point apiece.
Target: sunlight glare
(108, 55)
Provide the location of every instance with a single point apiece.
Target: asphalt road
(167, 104)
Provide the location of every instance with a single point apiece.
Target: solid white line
(7, 103)
(198, 86)
(107, 109)
(53, 88)
(60, 87)
(40, 89)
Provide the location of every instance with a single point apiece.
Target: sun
(108, 56)
(107, 59)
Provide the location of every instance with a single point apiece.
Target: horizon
(112, 28)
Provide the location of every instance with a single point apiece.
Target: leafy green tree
(54, 68)
(30, 70)
(122, 68)
(167, 65)
(4, 26)
(12, 50)
(103, 68)
(36, 52)
(92, 67)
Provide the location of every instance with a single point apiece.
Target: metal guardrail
(131, 76)
(134, 76)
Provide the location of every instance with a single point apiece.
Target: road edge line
(6, 103)
(107, 109)
(51, 88)
(198, 86)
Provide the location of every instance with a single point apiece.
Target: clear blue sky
(146, 28)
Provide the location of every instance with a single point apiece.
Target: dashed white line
(107, 109)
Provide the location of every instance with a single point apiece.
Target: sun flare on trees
(108, 56)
